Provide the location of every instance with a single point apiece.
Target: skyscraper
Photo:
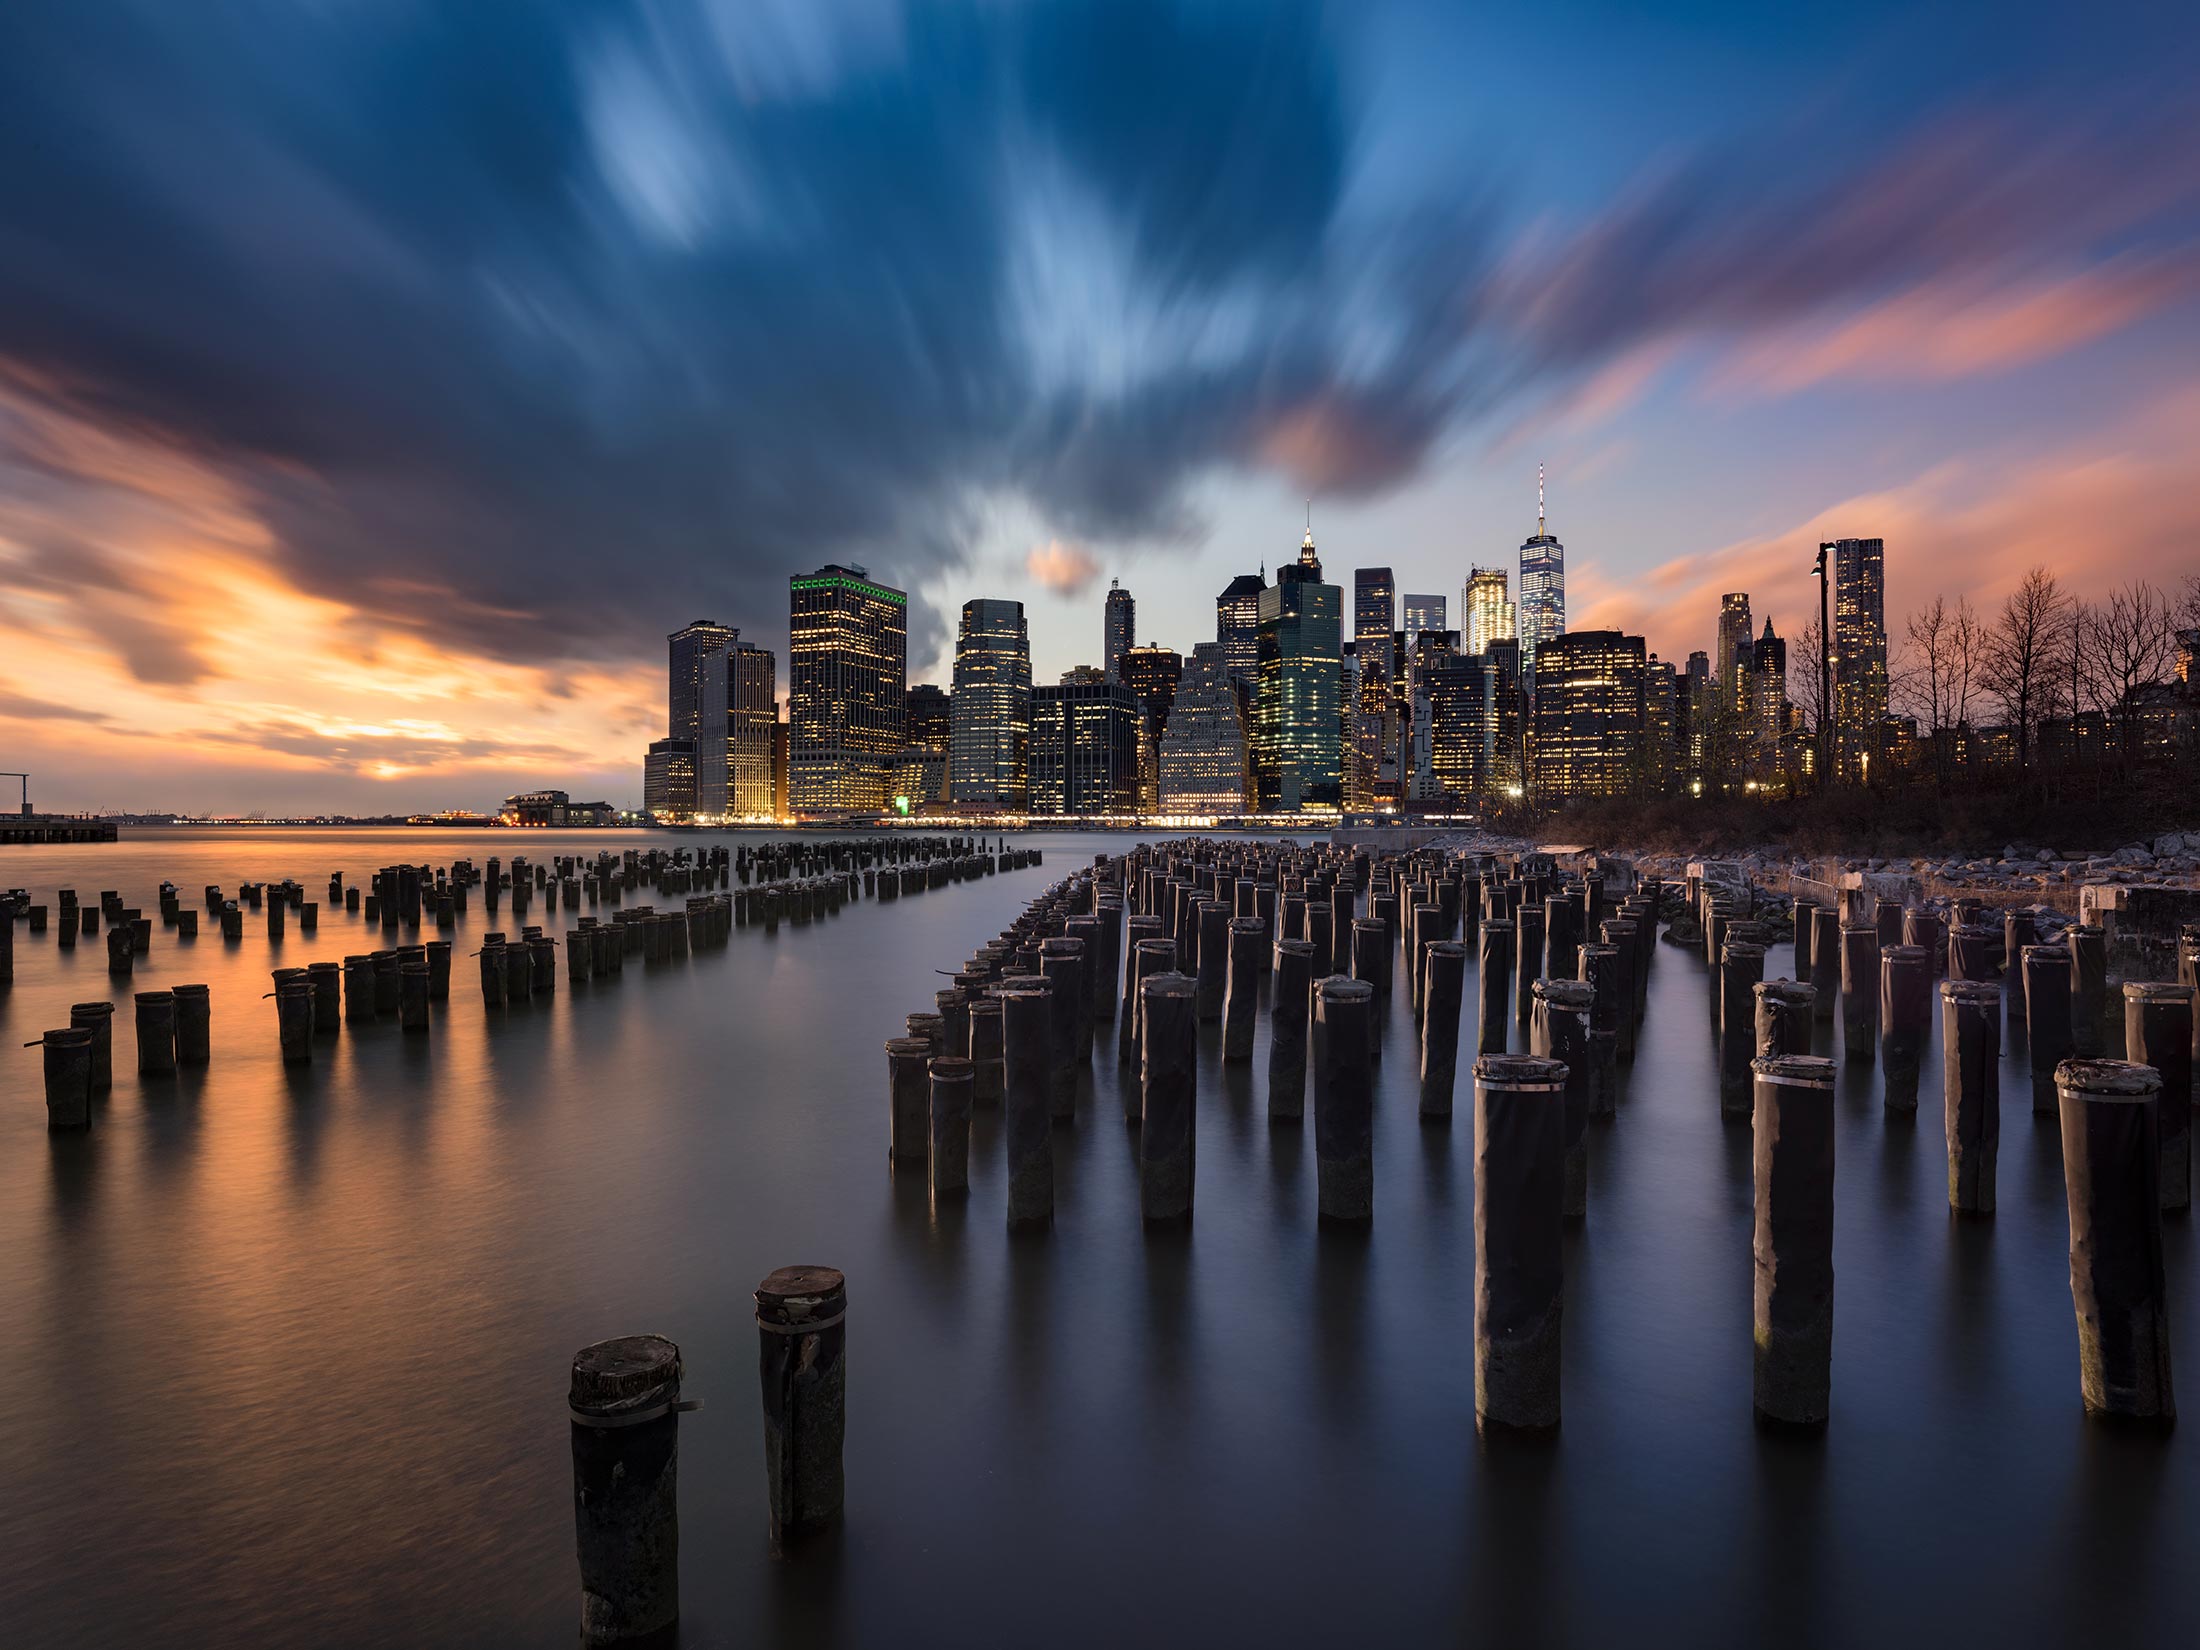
(1768, 686)
(752, 711)
(1151, 673)
(1542, 586)
(1297, 760)
(1237, 626)
(1461, 694)
(1587, 737)
(1372, 733)
(1420, 613)
(1120, 632)
(1734, 645)
(1084, 746)
(688, 647)
(1206, 753)
(1859, 652)
(989, 741)
(847, 669)
(1485, 611)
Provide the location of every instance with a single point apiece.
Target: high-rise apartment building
(1120, 631)
(1151, 673)
(847, 672)
(1237, 626)
(1084, 746)
(1542, 587)
(1297, 759)
(926, 717)
(989, 743)
(1859, 652)
(1206, 753)
(1587, 734)
(688, 648)
(1485, 611)
(1662, 717)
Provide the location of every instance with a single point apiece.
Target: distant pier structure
(27, 827)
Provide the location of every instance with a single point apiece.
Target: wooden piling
(802, 1350)
(908, 1085)
(156, 1033)
(1027, 1015)
(99, 1020)
(1289, 1018)
(1558, 1030)
(68, 1072)
(1493, 985)
(1344, 1028)
(1741, 971)
(1241, 991)
(1783, 1020)
(194, 1025)
(947, 1173)
(1444, 965)
(1168, 1095)
(2047, 1034)
(1970, 1068)
(2112, 1164)
(1905, 1021)
(1519, 1239)
(1792, 1246)
(2158, 1033)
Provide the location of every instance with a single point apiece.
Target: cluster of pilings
(624, 1401)
(795, 882)
(2126, 1124)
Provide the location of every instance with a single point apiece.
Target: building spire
(1539, 501)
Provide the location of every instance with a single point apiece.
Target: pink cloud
(1065, 569)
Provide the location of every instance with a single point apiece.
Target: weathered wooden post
(1859, 990)
(1340, 926)
(1600, 966)
(1971, 952)
(1062, 962)
(2158, 1033)
(1559, 1030)
(2112, 1163)
(1493, 985)
(68, 1071)
(293, 996)
(1027, 1032)
(1371, 953)
(1783, 1019)
(2088, 986)
(1519, 1239)
(1527, 959)
(1970, 1068)
(156, 1033)
(1287, 1030)
(802, 1355)
(908, 1098)
(2047, 1035)
(1825, 961)
(99, 1020)
(121, 958)
(988, 1080)
(1141, 929)
(1905, 1021)
(1793, 1127)
(412, 998)
(1741, 971)
(1242, 988)
(1929, 934)
(1444, 964)
(1167, 1082)
(1344, 1028)
(1156, 955)
(947, 1175)
(1213, 960)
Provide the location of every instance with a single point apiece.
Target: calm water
(289, 1347)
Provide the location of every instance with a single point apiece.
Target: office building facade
(989, 740)
(1237, 626)
(1151, 673)
(1206, 753)
(1486, 611)
(1586, 737)
(1297, 754)
(687, 650)
(1084, 747)
(847, 673)
(1119, 631)
(1859, 651)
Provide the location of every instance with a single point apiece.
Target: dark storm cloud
(538, 328)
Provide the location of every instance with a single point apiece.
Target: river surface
(287, 1348)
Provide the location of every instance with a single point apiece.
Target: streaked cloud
(1065, 569)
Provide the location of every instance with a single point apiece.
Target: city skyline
(386, 494)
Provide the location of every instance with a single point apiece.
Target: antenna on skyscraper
(1539, 501)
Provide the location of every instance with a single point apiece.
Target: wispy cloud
(1065, 569)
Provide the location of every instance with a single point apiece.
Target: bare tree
(1806, 680)
(2131, 644)
(1942, 671)
(2017, 664)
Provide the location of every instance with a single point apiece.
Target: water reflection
(315, 1319)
